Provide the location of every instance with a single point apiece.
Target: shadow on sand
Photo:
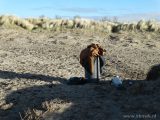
(86, 102)
(12, 75)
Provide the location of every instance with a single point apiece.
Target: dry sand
(34, 68)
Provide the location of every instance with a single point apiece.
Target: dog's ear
(101, 51)
(91, 45)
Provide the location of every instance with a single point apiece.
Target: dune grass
(13, 20)
(79, 23)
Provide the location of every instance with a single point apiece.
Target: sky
(122, 9)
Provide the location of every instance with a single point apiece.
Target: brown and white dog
(88, 55)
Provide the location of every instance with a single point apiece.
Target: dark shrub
(154, 73)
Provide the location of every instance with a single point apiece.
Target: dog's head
(96, 49)
(93, 45)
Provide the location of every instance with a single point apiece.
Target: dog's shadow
(85, 102)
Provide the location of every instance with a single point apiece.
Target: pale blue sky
(85, 8)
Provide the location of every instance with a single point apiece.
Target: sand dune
(35, 66)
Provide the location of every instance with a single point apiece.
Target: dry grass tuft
(32, 115)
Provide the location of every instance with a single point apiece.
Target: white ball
(116, 81)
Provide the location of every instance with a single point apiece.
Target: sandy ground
(34, 68)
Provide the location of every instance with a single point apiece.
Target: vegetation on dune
(13, 20)
(77, 22)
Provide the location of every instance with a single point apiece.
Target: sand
(35, 66)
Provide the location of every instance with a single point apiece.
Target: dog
(88, 55)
